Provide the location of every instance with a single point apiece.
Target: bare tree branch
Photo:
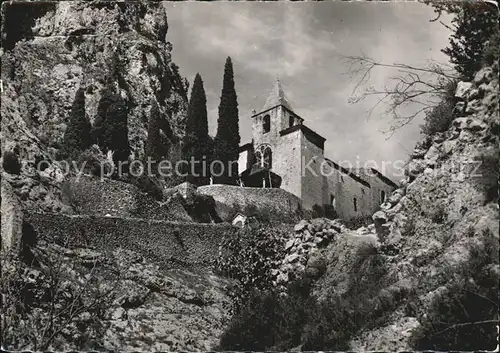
(411, 87)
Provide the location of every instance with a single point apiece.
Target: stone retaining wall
(169, 243)
(273, 205)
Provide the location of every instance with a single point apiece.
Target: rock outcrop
(51, 50)
(425, 231)
(140, 307)
(303, 249)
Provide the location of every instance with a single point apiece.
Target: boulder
(473, 107)
(449, 146)
(415, 167)
(438, 137)
(12, 219)
(396, 196)
(419, 152)
(379, 217)
(306, 235)
(289, 244)
(316, 266)
(459, 108)
(292, 258)
(300, 226)
(432, 155)
(484, 75)
(463, 89)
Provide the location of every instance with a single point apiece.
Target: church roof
(277, 97)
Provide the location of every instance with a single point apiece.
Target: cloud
(303, 43)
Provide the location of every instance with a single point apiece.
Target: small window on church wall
(382, 196)
(266, 123)
(268, 158)
(258, 158)
(290, 121)
(264, 157)
(355, 202)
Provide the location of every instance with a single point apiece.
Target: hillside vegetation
(423, 276)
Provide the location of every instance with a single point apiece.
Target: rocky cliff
(66, 298)
(440, 229)
(51, 50)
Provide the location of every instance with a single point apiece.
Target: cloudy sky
(303, 44)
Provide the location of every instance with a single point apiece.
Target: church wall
(287, 162)
(313, 181)
(273, 135)
(345, 188)
(377, 185)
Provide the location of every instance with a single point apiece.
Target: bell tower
(277, 141)
(276, 115)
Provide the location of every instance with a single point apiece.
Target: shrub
(95, 162)
(55, 301)
(357, 222)
(269, 320)
(465, 315)
(440, 117)
(11, 163)
(488, 173)
(317, 211)
(491, 52)
(77, 137)
(249, 258)
(201, 208)
(330, 212)
(149, 185)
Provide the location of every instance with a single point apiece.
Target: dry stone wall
(273, 205)
(303, 249)
(101, 197)
(167, 243)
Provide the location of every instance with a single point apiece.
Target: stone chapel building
(285, 153)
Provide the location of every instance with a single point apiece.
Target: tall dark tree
(227, 140)
(196, 143)
(474, 26)
(111, 126)
(154, 148)
(107, 98)
(116, 129)
(77, 137)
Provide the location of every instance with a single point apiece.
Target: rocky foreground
(112, 301)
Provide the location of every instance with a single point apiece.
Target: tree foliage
(414, 91)
(77, 137)
(464, 316)
(439, 117)
(111, 126)
(249, 259)
(154, 148)
(227, 140)
(474, 26)
(197, 144)
(11, 163)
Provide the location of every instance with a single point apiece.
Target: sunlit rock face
(52, 50)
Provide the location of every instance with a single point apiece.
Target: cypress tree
(196, 140)
(111, 129)
(116, 128)
(474, 24)
(227, 140)
(105, 102)
(77, 137)
(153, 144)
